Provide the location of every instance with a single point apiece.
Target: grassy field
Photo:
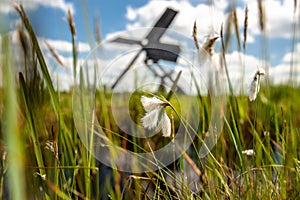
(42, 156)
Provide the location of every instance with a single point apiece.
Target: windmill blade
(160, 51)
(125, 41)
(166, 47)
(127, 68)
(161, 25)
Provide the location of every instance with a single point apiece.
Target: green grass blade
(236, 143)
(33, 132)
(173, 86)
(12, 134)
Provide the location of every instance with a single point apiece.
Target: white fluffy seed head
(150, 119)
(255, 85)
(254, 89)
(164, 125)
(261, 71)
(248, 152)
(156, 117)
(151, 103)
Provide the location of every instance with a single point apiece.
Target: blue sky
(49, 21)
(111, 13)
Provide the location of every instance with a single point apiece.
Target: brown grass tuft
(55, 54)
(71, 23)
(261, 15)
(195, 35)
(23, 38)
(236, 27)
(227, 31)
(295, 5)
(97, 30)
(245, 27)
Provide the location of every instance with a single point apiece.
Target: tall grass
(42, 156)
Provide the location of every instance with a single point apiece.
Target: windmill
(155, 50)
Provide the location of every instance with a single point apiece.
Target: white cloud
(65, 46)
(183, 22)
(278, 74)
(64, 75)
(110, 68)
(130, 13)
(6, 6)
(281, 72)
(279, 17)
(287, 58)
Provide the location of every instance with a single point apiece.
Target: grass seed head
(261, 15)
(195, 35)
(55, 54)
(245, 27)
(71, 23)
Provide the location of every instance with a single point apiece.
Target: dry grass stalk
(223, 46)
(97, 30)
(55, 54)
(23, 40)
(295, 5)
(261, 15)
(227, 31)
(236, 27)
(245, 27)
(141, 178)
(222, 35)
(71, 23)
(223, 60)
(20, 10)
(195, 35)
(192, 164)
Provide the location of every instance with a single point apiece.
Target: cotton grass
(156, 117)
(255, 84)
